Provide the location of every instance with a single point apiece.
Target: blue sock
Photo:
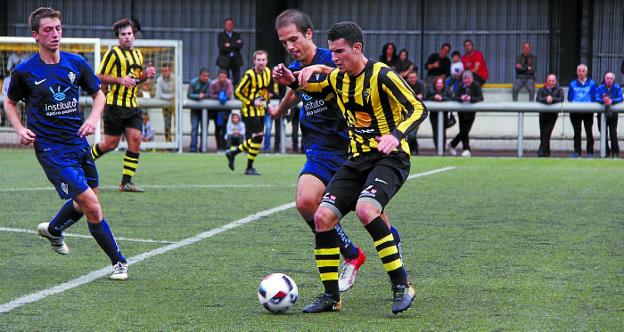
(399, 244)
(347, 248)
(66, 217)
(104, 237)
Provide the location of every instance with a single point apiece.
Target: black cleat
(251, 171)
(230, 157)
(325, 302)
(402, 296)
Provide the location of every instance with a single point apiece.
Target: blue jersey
(322, 124)
(51, 93)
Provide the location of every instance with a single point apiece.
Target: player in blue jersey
(49, 83)
(325, 137)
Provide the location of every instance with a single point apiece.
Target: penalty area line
(92, 276)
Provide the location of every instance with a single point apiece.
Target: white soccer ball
(277, 293)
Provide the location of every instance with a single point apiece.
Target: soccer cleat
(466, 153)
(251, 171)
(120, 271)
(324, 302)
(230, 158)
(402, 298)
(130, 188)
(349, 270)
(451, 149)
(57, 242)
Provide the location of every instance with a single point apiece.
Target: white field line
(22, 230)
(87, 278)
(183, 186)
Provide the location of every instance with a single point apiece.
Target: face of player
(300, 46)
(551, 81)
(345, 56)
(260, 62)
(49, 34)
(165, 72)
(581, 73)
(126, 37)
(228, 25)
(204, 76)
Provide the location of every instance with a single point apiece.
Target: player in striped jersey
(254, 91)
(381, 110)
(122, 69)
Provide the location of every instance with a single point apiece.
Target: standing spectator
(147, 133)
(438, 64)
(582, 90)
(468, 92)
(165, 90)
(404, 65)
(438, 92)
(222, 90)
(610, 93)
(525, 72)
(389, 55)
(550, 94)
(198, 90)
(235, 132)
(230, 44)
(474, 61)
(457, 69)
(419, 91)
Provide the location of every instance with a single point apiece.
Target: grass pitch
(495, 244)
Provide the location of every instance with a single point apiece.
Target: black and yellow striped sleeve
(411, 111)
(108, 61)
(321, 89)
(242, 89)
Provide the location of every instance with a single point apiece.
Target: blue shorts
(323, 165)
(71, 171)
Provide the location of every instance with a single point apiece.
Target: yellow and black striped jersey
(375, 102)
(118, 62)
(251, 87)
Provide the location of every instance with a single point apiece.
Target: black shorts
(253, 125)
(118, 118)
(372, 177)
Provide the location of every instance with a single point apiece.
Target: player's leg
(131, 158)
(112, 132)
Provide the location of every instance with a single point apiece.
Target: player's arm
(243, 86)
(106, 67)
(25, 135)
(290, 99)
(317, 89)
(89, 126)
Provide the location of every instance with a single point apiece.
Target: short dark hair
(228, 19)
(293, 16)
(123, 23)
(165, 65)
(447, 45)
(455, 53)
(347, 30)
(222, 71)
(34, 20)
(468, 41)
(203, 70)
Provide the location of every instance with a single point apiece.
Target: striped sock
(96, 152)
(327, 255)
(130, 164)
(387, 250)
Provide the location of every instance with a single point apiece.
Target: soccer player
(253, 92)
(381, 110)
(325, 135)
(49, 83)
(122, 69)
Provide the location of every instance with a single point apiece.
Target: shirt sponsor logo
(59, 95)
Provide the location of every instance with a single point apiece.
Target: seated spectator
(389, 55)
(610, 93)
(438, 92)
(550, 94)
(165, 90)
(222, 90)
(438, 64)
(235, 132)
(474, 61)
(468, 92)
(525, 72)
(198, 90)
(404, 65)
(147, 133)
(419, 91)
(582, 90)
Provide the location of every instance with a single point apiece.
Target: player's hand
(306, 73)
(386, 143)
(128, 81)
(87, 128)
(283, 75)
(275, 112)
(150, 71)
(26, 136)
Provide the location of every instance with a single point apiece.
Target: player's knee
(324, 219)
(366, 212)
(307, 205)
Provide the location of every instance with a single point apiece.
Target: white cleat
(56, 242)
(120, 271)
(349, 271)
(451, 150)
(466, 153)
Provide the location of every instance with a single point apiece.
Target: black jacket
(236, 43)
(556, 93)
(474, 91)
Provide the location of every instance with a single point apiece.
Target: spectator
(389, 55)
(468, 92)
(525, 72)
(15, 59)
(235, 132)
(438, 64)
(222, 90)
(582, 90)
(20, 106)
(404, 65)
(474, 61)
(165, 90)
(457, 69)
(147, 133)
(610, 93)
(198, 90)
(438, 92)
(419, 91)
(550, 94)
(230, 44)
